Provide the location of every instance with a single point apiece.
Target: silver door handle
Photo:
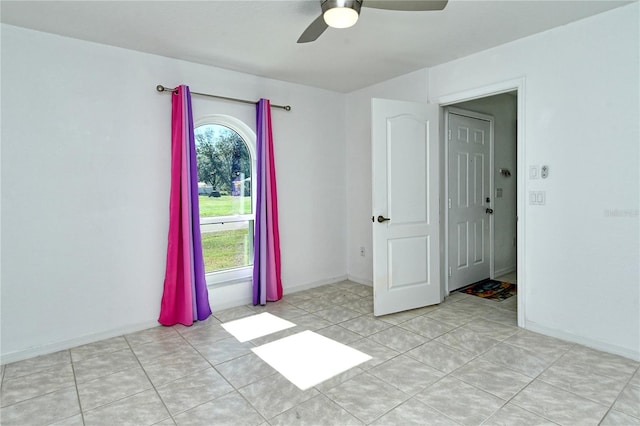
(382, 219)
(489, 211)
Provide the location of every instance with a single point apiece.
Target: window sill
(222, 284)
(230, 277)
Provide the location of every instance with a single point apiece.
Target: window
(225, 151)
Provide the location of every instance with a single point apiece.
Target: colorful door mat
(491, 289)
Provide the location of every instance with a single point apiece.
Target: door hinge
(449, 202)
(449, 134)
(449, 270)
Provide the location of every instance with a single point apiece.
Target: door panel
(469, 188)
(408, 250)
(407, 162)
(405, 190)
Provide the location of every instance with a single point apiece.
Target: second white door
(469, 232)
(406, 255)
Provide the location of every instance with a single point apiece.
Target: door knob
(383, 219)
(489, 211)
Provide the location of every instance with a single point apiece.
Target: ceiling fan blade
(410, 5)
(314, 30)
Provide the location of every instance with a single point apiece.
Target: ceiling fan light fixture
(341, 17)
(344, 13)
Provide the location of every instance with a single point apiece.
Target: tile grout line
(210, 364)
(153, 386)
(474, 357)
(627, 384)
(39, 395)
(586, 397)
(353, 414)
(518, 346)
(537, 378)
(407, 400)
(236, 390)
(75, 381)
(450, 374)
(437, 381)
(331, 324)
(405, 353)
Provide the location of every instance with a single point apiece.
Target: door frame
(491, 120)
(518, 85)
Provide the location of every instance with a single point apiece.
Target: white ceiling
(259, 37)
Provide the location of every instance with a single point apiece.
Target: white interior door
(406, 266)
(469, 199)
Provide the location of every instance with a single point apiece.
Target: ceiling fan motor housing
(352, 4)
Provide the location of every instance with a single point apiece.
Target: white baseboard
(360, 280)
(594, 344)
(313, 284)
(72, 343)
(504, 271)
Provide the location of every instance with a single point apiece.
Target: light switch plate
(537, 198)
(533, 172)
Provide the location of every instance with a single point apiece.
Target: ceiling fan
(344, 13)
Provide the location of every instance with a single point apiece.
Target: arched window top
(234, 124)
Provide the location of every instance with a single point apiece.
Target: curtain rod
(161, 88)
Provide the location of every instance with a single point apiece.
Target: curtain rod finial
(160, 88)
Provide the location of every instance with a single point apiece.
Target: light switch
(498, 192)
(533, 172)
(537, 198)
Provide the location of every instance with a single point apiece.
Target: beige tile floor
(463, 362)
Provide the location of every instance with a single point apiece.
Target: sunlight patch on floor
(255, 326)
(307, 358)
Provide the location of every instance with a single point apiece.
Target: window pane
(224, 171)
(227, 245)
(224, 205)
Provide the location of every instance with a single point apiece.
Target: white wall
(503, 108)
(581, 118)
(410, 87)
(85, 184)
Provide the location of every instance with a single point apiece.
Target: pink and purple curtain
(185, 298)
(267, 282)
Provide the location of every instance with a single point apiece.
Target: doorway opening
(481, 192)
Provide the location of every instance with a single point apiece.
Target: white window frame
(229, 276)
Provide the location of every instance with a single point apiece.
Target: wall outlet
(362, 252)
